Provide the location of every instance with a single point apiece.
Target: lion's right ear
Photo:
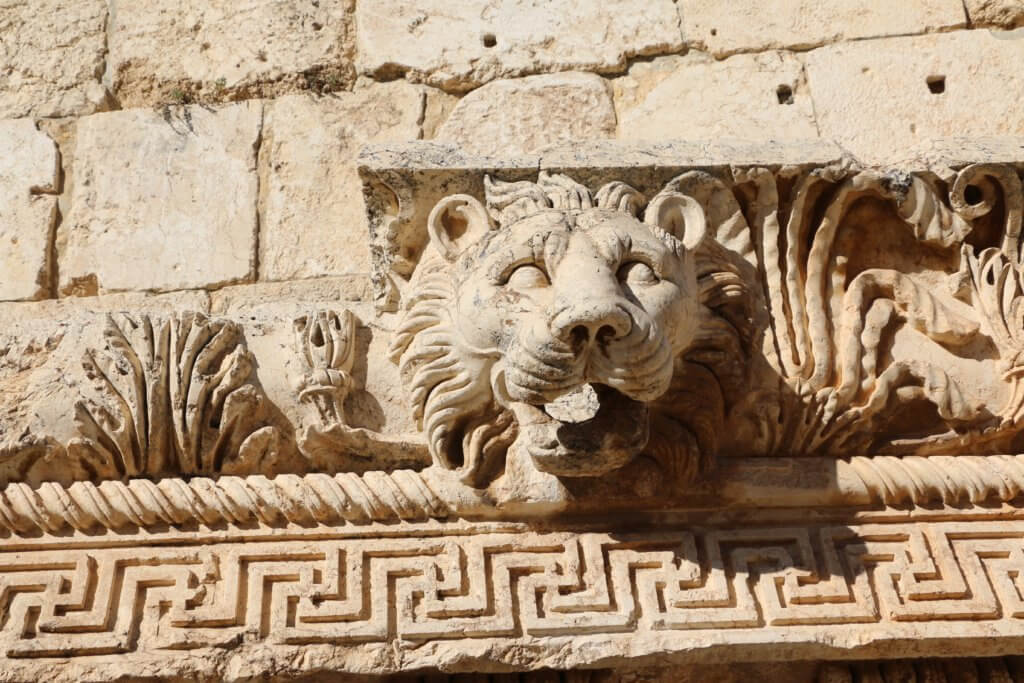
(678, 215)
(455, 223)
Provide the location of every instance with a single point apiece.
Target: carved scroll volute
(977, 189)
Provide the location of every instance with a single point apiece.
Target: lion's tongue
(604, 419)
(587, 432)
(579, 405)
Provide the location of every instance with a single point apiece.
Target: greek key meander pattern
(498, 585)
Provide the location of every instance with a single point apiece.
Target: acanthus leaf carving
(174, 394)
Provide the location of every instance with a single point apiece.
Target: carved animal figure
(560, 318)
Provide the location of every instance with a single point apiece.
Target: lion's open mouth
(589, 431)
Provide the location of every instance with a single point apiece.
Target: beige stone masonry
(28, 209)
(173, 52)
(635, 405)
(523, 115)
(881, 98)
(51, 57)
(753, 97)
(459, 45)
(520, 341)
(314, 222)
(750, 25)
(162, 200)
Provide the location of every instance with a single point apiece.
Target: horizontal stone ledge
(424, 157)
(406, 495)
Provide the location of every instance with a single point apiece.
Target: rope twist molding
(413, 496)
(308, 499)
(940, 478)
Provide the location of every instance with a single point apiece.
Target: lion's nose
(586, 323)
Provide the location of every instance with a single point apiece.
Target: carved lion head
(551, 315)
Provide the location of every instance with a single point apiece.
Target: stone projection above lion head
(553, 316)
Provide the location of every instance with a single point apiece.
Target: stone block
(879, 99)
(996, 13)
(28, 209)
(52, 57)
(460, 45)
(228, 49)
(161, 200)
(521, 115)
(748, 25)
(754, 97)
(314, 222)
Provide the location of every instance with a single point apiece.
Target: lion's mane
(450, 383)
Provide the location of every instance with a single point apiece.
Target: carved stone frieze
(175, 396)
(514, 598)
(818, 310)
(649, 404)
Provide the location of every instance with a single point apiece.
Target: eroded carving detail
(325, 345)
(174, 395)
(325, 341)
(806, 323)
(875, 356)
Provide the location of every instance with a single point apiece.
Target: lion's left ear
(678, 215)
(455, 223)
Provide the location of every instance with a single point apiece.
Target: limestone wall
(162, 146)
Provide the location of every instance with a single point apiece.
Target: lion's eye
(528, 277)
(637, 273)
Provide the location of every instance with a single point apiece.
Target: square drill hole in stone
(936, 84)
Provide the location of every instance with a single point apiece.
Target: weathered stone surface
(51, 57)
(376, 399)
(996, 13)
(278, 477)
(172, 52)
(963, 84)
(437, 107)
(283, 297)
(460, 45)
(28, 205)
(753, 97)
(749, 25)
(161, 200)
(313, 221)
(41, 345)
(518, 116)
